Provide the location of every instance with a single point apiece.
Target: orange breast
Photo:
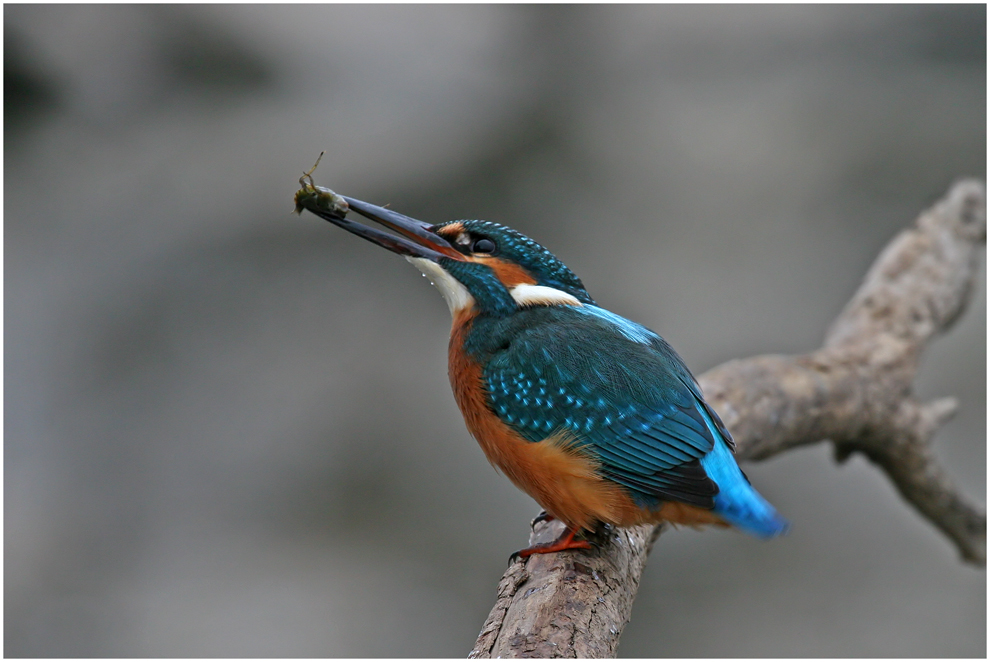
(559, 476)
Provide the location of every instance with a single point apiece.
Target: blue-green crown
(515, 247)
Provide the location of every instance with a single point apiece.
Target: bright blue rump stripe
(736, 500)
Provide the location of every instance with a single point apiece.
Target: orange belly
(560, 477)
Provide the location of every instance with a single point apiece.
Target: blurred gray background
(229, 430)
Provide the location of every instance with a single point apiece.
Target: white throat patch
(456, 295)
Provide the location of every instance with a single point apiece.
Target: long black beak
(415, 238)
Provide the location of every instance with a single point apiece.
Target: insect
(318, 198)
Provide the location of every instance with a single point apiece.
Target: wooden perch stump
(855, 391)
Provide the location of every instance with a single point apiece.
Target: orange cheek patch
(450, 232)
(509, 273)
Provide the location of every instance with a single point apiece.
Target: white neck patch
(456, 295)
(540, 295)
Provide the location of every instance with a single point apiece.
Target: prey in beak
(415, 239)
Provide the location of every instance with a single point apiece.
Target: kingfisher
(594, 416)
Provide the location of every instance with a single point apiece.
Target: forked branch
(855, 391)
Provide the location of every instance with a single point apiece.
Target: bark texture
(855, 391)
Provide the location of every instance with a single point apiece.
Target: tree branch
(856, 391)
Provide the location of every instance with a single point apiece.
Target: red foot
(565, 541)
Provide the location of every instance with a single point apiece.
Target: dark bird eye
(483, 245)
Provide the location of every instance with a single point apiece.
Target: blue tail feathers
(737, 502)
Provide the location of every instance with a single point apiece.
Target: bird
(594, 416)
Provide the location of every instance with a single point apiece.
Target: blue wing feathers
(626, 397)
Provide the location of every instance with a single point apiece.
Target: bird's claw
(544, 516)
(565, 542)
